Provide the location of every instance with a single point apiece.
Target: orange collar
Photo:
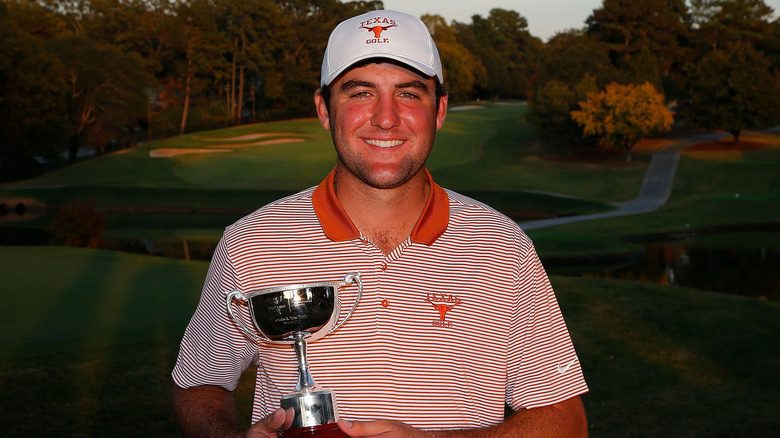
(338, 226)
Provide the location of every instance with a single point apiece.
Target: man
(457, 317)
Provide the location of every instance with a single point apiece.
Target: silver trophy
(297, 314)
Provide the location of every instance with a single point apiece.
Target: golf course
(89, 335)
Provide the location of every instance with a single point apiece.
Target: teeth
(384, 143)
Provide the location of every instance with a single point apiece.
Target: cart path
(654, 192)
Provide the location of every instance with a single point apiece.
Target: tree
(138, 26)
(550, 110)
(462, 70)
(723, 22)
(300, 34)
(573, 66)
(34, 19)
(508, 51)
(78, 224)
(622, 115)
(106, 87)
(33, 114)
(202, 47)
(771, 46)
(248, 27)
(629, 27)
(732, 89)
(570, 55)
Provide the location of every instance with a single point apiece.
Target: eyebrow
(415, 84)
(349, 85)
(419, 85)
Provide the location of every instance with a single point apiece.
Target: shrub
(78, 224)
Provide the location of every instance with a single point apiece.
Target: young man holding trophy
(421, 312)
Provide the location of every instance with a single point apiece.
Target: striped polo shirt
(455, 322)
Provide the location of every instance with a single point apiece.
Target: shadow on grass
(94, 357)
(666, 361)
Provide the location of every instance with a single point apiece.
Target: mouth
(384, 143)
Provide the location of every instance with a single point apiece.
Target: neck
(386, 216)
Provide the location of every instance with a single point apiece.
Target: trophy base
(330, 430)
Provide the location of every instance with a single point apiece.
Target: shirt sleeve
(213, 350)
(543, 368)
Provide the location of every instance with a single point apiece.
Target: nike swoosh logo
(563, 368)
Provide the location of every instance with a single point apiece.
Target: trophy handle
(238, 295)
(352, 277)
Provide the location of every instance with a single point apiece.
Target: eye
(408, 95)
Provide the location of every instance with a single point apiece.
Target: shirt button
(383, 267)
(385, 304)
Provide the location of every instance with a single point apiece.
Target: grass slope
(490, 149)
(90, 337)
(666, 361)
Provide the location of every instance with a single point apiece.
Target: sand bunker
(248, 136)
(465, 108)
(172, 152)
(259, 143)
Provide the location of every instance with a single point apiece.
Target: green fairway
(490, 154)
(490, 149)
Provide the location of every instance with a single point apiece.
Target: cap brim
(417, 66)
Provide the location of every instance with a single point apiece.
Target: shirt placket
(384, 266)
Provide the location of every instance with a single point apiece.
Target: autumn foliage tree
(573, 66)
(622, 115)
(549, 110)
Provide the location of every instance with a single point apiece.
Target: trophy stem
(305, 379)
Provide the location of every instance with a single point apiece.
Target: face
(383, 120)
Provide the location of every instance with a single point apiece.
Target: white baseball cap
(381, 34)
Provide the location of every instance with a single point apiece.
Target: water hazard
(746, 264)
(750, 272)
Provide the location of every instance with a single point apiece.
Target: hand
(380, 428)
(269, 426)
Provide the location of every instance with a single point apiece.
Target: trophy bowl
(279, 313)
(296, 314)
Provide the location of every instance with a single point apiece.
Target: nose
(386, 114)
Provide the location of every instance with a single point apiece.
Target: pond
(747, 271)
(746, 263)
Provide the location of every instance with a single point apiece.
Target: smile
(384, 143)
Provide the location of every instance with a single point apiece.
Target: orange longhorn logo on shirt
(443, 303)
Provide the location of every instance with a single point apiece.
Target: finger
(348, 427)
(271, 423)
(289, 417)
(361, 428)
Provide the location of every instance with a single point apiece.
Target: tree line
(105, 74)
(716, 62)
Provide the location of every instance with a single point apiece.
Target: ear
(322, 109)
(441, 114)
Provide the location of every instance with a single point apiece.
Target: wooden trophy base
(330, 430)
